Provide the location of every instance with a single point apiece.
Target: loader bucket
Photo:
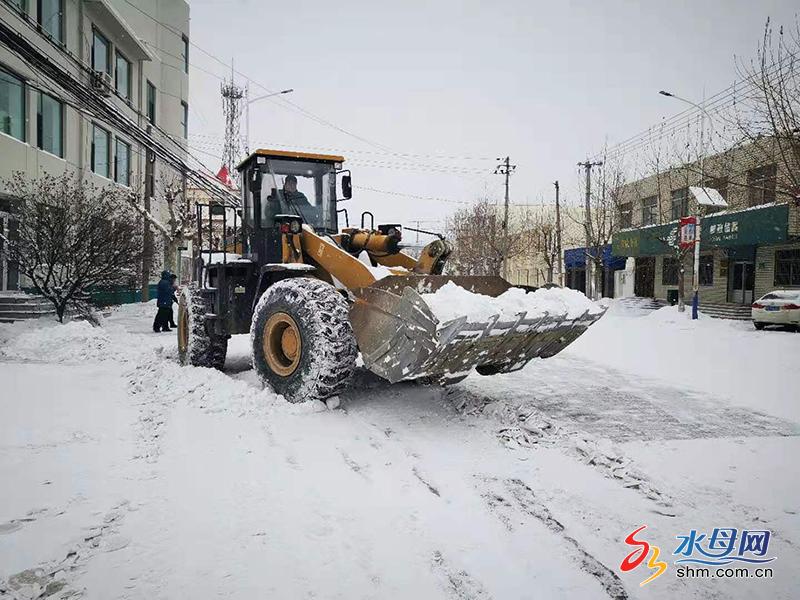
(400, 338)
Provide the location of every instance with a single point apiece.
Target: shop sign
(756, 226)
(687, 229)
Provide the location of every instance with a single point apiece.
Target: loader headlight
(295, 226)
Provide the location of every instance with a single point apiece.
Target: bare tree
(599, 228)
(480, 243)
(671, 242)
(543, 241)
(73, 236)
(768, 116)
(180, 222)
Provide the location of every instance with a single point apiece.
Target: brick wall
(731, 166)
(765, 267)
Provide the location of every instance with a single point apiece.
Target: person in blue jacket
(164, 299)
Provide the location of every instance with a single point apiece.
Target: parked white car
(780, 307)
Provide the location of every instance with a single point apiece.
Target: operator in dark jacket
(164, 300)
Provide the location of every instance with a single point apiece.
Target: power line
(715, 104)
(320, 120)
(96, 105)
(217, 137)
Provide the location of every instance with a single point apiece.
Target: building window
(649, 210)
(625, 215)
(706, 270)
(101, 147)
(122, 76)
(761, 183)
(12, 105)
(670, 271)
(151, 103)
(185, 119)
(50, 125)
(50, 17)
(680, 203)
(185, 54)
(20, 5)
(101, 53)
(787, 267)
(122, 163)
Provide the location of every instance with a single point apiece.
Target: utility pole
(558, 239)
(587, 166)
(147, 237)
(505, 168)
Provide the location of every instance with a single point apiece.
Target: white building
(135, 53)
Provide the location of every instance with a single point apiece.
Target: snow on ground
(729, 359)
(127, 476)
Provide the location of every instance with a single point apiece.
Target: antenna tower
(232, 95)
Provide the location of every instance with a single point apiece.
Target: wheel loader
(313, 295)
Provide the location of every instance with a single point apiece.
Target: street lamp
(247, 116)
(696, 275)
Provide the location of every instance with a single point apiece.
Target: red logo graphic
(637, 556)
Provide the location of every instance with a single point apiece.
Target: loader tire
(196, 345)
(303, 343)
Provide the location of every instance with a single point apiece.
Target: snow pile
(378, 271)
(451, 301)
(669, 315)
(74, 341)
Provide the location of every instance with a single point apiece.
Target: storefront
(743, 255)
(575, 269)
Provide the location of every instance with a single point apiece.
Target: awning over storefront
(575, 258)
(754, 226)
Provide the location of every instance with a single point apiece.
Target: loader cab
(268, 181)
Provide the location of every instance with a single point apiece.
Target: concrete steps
(643, 303)
(18, 306)
(739, 312)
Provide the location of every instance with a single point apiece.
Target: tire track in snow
(459, 584)
(510, 497)
(55, 578)
(525, 426)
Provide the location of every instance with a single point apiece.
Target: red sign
(687, 231)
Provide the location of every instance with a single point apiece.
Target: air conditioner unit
(101, 83)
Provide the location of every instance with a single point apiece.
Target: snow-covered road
(126, 476)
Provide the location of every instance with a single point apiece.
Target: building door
(645, 277)
(741, 282)
(9, 270)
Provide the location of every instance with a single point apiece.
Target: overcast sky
(544, 82)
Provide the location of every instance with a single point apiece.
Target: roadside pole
(505, 168)
(558, 239)
(696, 274)
(147, 238)
(705, 113)
(589, 286)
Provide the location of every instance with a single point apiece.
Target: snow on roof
(706, 196)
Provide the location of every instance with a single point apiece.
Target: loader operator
(292, 195)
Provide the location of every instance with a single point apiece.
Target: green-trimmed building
(747, 249)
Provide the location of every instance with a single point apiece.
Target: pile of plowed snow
(50, 341)
(452, 301)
